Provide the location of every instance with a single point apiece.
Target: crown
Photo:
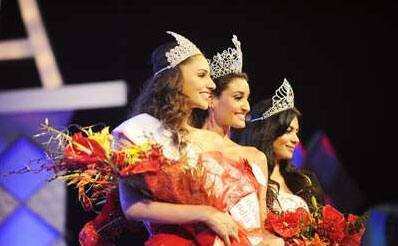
(281, 101)
(180, 52)
(229, 61)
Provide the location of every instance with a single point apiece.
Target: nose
(211, 85)
(295, 139)
(246, 106)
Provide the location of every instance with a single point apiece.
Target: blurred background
(83, 62)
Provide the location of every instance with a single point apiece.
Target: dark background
(339, 57)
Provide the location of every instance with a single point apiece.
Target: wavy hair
(162, 95)
(261, 134)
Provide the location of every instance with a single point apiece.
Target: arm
(262, 194)
(136, 207)
(269, 238)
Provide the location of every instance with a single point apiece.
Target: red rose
(332, 225)
(287, 224)
(88, 236)
(353, 238)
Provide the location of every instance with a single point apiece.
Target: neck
(276, 172)
(186, 123)
(223, 131)
(277, 176)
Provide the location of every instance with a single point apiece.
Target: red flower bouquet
(86, 160)
(325, 226)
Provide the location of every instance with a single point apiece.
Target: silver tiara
(229, 61)
(281, 101)
(180, 52)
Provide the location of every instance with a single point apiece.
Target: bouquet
(86, 160)
(323, 227)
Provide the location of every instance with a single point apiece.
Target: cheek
(189, 90)
(185, 87)
(227, 110)
(278, 146)
(197, 84)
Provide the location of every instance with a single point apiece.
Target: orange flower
(287, 224)
(149, 163)
(316, 241)
(83, 150)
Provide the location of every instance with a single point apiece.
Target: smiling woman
(274, 130)
(284, 145)
(233, 182)
(193, 73)
(229, 104)
(228, 109)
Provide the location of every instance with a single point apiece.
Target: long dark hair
(261, 134)
(162, 96)
(199, 116)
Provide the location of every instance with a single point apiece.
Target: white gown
(289, 202)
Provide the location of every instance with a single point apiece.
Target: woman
(181, 83)
(274, 129)
(228, 108)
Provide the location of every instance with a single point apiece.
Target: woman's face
(284, 145)
(231, 107)
(197, 84)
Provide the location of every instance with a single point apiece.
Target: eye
(238, 98)
(289, 130)
(202, 74)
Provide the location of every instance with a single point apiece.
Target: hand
(272, 240)
(222, 224)
(121, 141)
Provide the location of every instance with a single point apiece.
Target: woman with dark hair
(228, 108)
(274, 130)
(181, 83)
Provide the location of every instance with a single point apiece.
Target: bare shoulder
(256, 154)
(207, 140)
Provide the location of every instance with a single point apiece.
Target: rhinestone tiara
(180, 52)
(281, 101)
(227, 62)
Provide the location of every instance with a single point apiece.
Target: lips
(241, 116)
(291, 148)
(205, 93)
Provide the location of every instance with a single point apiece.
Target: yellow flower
(104, 138)
(133, 152)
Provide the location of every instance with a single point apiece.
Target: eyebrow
(203, 70)
(241, 93)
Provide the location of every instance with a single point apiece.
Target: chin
(200, 105)
(239, 125)
(203, 106)
(289, 156)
